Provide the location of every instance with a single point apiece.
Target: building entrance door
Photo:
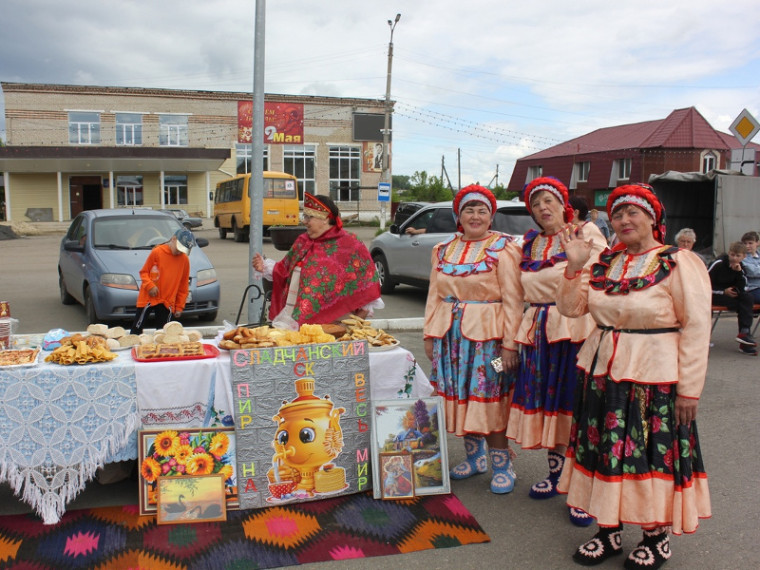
(85, 193)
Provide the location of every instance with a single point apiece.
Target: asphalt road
(525, 533)
(29, 280)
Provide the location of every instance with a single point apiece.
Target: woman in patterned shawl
(542, 401)
(473, 308)
(634, 454)
(337, 274)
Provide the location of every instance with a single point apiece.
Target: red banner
(283, 122)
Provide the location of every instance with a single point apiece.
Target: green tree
(425, 188)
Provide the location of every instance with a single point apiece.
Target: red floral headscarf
(477, 193)
(555, 188)
(643, 196)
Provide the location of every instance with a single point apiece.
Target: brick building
(594, 164)
(73, 148)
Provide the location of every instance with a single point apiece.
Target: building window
(300, 161)
(709, 162)
(243, 157)
(84, 127)
(175, 189)
(128, 129)
(129, 190)
(582, 169)
(624, 168)
(345, 173)
(535, 172)
(173, 130)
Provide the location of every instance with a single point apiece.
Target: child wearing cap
(164, 281)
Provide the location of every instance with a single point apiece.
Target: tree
(425, 188)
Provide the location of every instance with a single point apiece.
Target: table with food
(74, 402)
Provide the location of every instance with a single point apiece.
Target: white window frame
(173, 130)
(84, 127)
(129, 190)
(175, 190)
(243, 158)
(129, 129)
(583, 169)
(295, 161)
(709, 161)
(345, 172)
(624, 166)
(534, 172)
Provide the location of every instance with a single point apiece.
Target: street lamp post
(386, 174)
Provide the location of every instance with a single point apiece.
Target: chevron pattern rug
(351, 526)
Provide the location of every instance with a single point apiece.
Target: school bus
(232, 204)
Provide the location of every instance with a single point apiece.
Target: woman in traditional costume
(634, 454)
(542, 402)
(329, 269)
(473, 309)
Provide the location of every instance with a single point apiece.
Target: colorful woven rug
(351, 526)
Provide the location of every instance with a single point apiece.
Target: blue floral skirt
(476, 396)
(542, 402)
(628, 461)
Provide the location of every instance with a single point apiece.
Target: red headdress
(555, 188)
(476, 193)
(643, 196)
(313, 207)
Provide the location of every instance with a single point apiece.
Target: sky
(476, 84)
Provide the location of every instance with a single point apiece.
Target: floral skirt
(542, 400)
(475, 395)
(629, 462)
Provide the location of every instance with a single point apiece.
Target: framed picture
(191, 498)
(372, 156)
(175, 452)
(415, 428)
(397, 476)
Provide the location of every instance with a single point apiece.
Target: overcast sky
(495, 79)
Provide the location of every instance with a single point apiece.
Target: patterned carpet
(351, 526)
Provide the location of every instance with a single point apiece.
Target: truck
(720, 206)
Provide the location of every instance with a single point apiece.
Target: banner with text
(283, 122)
(302, 423)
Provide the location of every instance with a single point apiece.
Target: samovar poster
(302, 422)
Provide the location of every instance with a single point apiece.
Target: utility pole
(256, 187)
(386, 175)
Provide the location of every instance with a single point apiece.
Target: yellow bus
(232, 204)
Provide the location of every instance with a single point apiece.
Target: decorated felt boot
(652, 552)
(548, 487)
(579, 517)
(475, 448)
(503, 479)
(603, 545)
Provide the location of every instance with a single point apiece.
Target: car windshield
(132, 232)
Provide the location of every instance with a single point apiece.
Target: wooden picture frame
(191, 498)
(185, 451)
(415, 427)
(397, 476)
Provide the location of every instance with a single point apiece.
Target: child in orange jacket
(165, 279)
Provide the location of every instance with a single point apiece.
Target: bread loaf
(97, 329)
(194, 336)
(129, 340)
(173, 328)
(115, 332)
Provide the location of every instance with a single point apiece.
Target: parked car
(403, 258)
(406, 209)
(101, 256)
(184, 218)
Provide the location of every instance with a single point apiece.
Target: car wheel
(239, 234)
(211, 316)
(222, 233)
(89, 307)
(381, 266)
(66, 299)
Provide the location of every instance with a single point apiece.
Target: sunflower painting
(183, 452)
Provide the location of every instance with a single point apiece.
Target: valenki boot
(652, 552)
(548, 487)
(503, 479)
(475, 448)
(604, 544)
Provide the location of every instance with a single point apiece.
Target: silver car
(101, 256)
(403, 258)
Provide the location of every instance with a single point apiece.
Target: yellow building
(72, 148)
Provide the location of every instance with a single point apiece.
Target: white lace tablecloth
(59, 424)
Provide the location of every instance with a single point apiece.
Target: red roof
(683, 128)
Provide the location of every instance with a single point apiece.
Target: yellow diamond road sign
(744, 127)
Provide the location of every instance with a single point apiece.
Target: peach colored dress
(542, 400)
(473, 309)
(628, 461)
